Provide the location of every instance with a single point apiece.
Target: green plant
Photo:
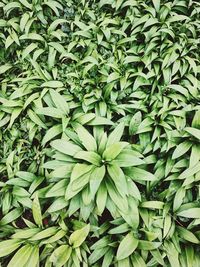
(99, 133)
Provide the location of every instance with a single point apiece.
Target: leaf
(128, 158)
(96, 178)
(79, 179)
(193, 131)
(120, 202)
(187, 235)
(8, 246)
(190, 171)
(101, 198)
(86, 138)
(78, 237)
(55, 23)
(112, 77)
(59, 101)
(192, 213)
(91, 157)
(135, 122)
(100, 121)
(196, 120)
(118, 178)
(37, 215)
(21, 257)
(114, 150)
(65, 147)
(152, 204)
(4, 68)
(51, 133)
(147, 245)
(181, 149)
(28, 50)
(167, 225)
(157, 256)
(36, 119)
(179, 89)
(23, 21)
(127, 246)
(60, 255)
(137, 260)
(11, 216)
(156, 4)
(26, 4)
(116, 134)
(52, 84)
(44, 233)
(139, 174)
(172, 254)
(33, 261)
(52, 112)
(178, 199)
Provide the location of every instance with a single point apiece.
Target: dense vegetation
(99, 133)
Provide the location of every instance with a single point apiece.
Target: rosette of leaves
(97, 169)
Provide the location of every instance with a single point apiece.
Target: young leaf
(78, 237)
(60, 255)
(37, 215)
(127, 246)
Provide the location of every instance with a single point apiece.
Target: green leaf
(190, 171)
(101, 198)
(147, 245)
(44, 233)
(28, 50)
(21, 257)
(96, 178)
(36, 119)
(4, 68)
(78, 237)
(11, 216)
(127, 246)
(187, 235)
(112, 77)
(37, 215)
(157, 256)
(33, 261)
(172, 254)
(156, 4)
(8, 246)
(65, 147)
(118, 178)
(137, 260)
(52, 112)
(114, 150)
(139, 174)
(181, 149)
(59, 101)
(52, 84)
(196, 120)
(193, 213)
(51, 133)
(91, 157)
(193, 131)
(79, 178)
(152, 204)
(86, 138)
(128, 158)
(116, 134)
(60, 255)
(178, 199)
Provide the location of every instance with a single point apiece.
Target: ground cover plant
(99, 133)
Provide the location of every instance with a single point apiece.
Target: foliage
(99, 133)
